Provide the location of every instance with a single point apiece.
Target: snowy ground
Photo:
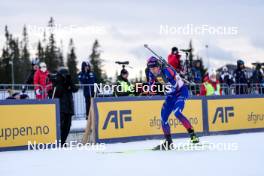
(246, 161)
(78, 125)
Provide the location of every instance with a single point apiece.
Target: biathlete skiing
(174, 102)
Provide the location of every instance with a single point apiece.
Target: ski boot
(194, 138)
(167, 145)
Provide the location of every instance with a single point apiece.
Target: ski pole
(146, 46)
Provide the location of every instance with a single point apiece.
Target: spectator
(226, 77)
(174, 59)
(16, 95)
(196, 77)
(35, 67)
(42, 83)
(257, 77)
(64, 88)
(197, 72)
(87, 79)
(211, 86)
(124, 86)
(240, 78)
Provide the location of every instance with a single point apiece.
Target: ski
(178, 148)
(125, 151)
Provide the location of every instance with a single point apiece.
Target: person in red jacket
(174, 59)
(41, 82)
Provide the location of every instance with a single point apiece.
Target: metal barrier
(89, 90)
(195, 89)
(225, 89)
(27, 91)
(79, 101)
(239, 89)
(256, 88)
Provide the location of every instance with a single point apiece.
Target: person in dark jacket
(35, 67)
(63, 90)
(240, 78)
(196, 77)
(87, 79)
(257, 79)
(197, 72)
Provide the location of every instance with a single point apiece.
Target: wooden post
(90, 127)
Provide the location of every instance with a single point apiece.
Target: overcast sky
(123, 27)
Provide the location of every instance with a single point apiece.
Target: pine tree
(96, 63)
(40, 52)
(10, 57)
(5, 76)
(15, 54)
(51, 54)
(15, 60)
(7, 35)
(72, 61)
(60, 58)
(41, 48)
(25, 56)
(1, 70)
(191, 54)
(6, 59)
(60, 55)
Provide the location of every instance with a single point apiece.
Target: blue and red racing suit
(175, 98)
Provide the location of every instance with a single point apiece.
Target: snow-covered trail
(247, 160)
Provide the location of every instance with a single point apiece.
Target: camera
(62, 76)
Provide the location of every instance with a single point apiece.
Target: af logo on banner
(118, 118)
(132, 118)
(223, 113)
(235, 114)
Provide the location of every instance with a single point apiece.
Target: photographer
(126, 87)
(63, 89)
(174, 59)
